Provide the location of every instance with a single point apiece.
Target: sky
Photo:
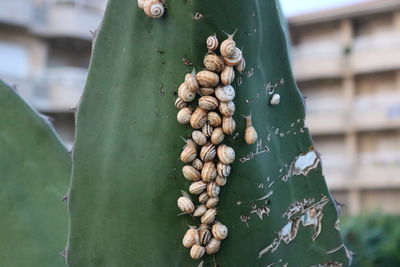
(294, 7)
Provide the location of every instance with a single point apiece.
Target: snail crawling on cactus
(152, 8)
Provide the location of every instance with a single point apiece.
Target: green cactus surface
(35, 170)
(126, 170)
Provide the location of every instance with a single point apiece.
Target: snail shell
(197, 164)
(213, 189)
(188, 154)
(185, 205)
(221, 180)
(209, 172)
(241, 66)
(203, 198)
(153, 9)
(184, 115)
(212, 202)
(217, 136)
(223, 169)
(200, 211)
(228, 125)
(197, 251)
(276, 98)
(179, 103)
(190, 238)
(225, 154)
(227, 109)
(190, 173)
(213, 246)
(213, 63)
(185, 94)
(204, 91)
(209, 216)
(207, 78)
(207, 152)
(191, 82)
(140, 3)
(204, 236)
(235, 59)
(207, 130)
(199, 138)
(197, 188)
(250, 134)
(227, 75)
(208, 102)
(214, 119)
(198, 118)
(212, 42)
(219, 231)
(225, 93)
(227, 48)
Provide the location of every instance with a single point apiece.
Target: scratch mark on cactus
(250, 72)
(187, 62)
(337, 225)
(335, 249)
(245, 219)
(65, 198)
(198, 16)
(303, 164)
(259, 150)
(329, 264)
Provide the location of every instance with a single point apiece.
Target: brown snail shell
(185, 94)
(235, 59)
(153, 9)
(203, 198)
(217, 136)
(185, 205)
(228, 46)
(184, 115)
(207, 152)
(204, 91)
(199, 138)
(225, 93)
(188, 154)
(227, 75)
(190, 173)
(213, 246)
(213, 63)
(212, 202)
(190, 238)
(198, 118)
(227, 109)
(191, 82)
(207, 78)
(250, 133)
(208, 102)
(204, 236)
(223, 169)
(228, 125)
(209, 172)
(214, 119)
(225, 154)
(213, 189)
(179, 103)
(219, 231)
(241, 66)
(197, 251)
(197, 164)
(209, 216)
(207, 130)
(220, 180)
(199, 211)
(212, 42)
(197, 188)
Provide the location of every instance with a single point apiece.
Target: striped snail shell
(197, 188)
(197, 164)
(207, 152)
(203, 198)
(225, 154)
(153, 9)
(214, 119)
(213, 62)
(208, 102)
(250, 134)
(197, 251)
(233, 61)
(212, 42)
(223, 169)
(198, 118)
(228, 125)
(227, 75)
(220, 180)
(225, 93)
(191, 82)
(207, 130)
(209, 172)
(227, 109)
(204, 236)
(141, 3)
(209, 216)
(206, 91)
(190, 173)
(185, 205)
(241, 66)
(179, 103)
(219, 231)
(213, 246)
(212, 202)
(228, 46)
(184, 115)
(199, 138)
(190, 238)
(188, 154)
(207, 78)
(185, 94)
(199, 211)
(213, 189)
(217, 136)
(190, 142)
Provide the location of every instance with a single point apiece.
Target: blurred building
(347, 64)
(45, 47)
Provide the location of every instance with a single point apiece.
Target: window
(14, 60)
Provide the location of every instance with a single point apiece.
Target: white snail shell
(198, 118)
(185, 94)
(184, 115)
(207, 78)
(241, 66)
(191, 237)
(185, 205)
(197, 188)
(191, 82)
(219, 231)
(188, 154)
(276, 98)
(209, 172)
(209, 216)
(153, 9)
(225, 93)
(207, 130)
(141, 3)
(227, 48)
(213, 189)
(207, 152)
(227, 109)
(213, 246)
(225, 154)
(221, 180)
(197, 164)
(206, 91)
(214, 119)
(227, 75)
(197, 251)
(223, 169)
(212, 202)
(179, 103)
(212, 42)
(217, 136)
(200, 210)
(213, 63)
(228, 125)
(203, 198)
(235, 59)
(190, 173)
(250, 133)
(208, 103)
(204, 236)
(199, 138)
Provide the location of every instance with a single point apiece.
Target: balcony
(16, 12)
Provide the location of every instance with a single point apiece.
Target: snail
(217, 136)
(235, 59)
(209, 172)
(250, 134)
(207, 152)
(185, 94)
(213, 246)
(213, 63)
(207, 78)
(220, 180)
(200, 210)
(204, 197)
(204, 235)
(184, 115)
(207, 130)
(185, 204)
(188, 154)
(228, 125)
(199, 138)
(227, 75)
(213, 189)
(204, 91)
(209, 216)
(276, 98)
(196, 188)
(198, 118)
(197, 251)
(223, 169)
(219, 231)
(225, 93)
(191, 237)
(212, 202)
(227, 109)
(191, 82)
(153, 8)
(214, 119)
(241, 65)
(228, 46)
(225, 154)
(179, 103)
(198, 164)
(208, 103)
(212, 42)
(141, 3)
(190, 173)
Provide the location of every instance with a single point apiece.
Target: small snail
(213, 189)
(185, 204)
(184, 115)
(220, 180)
(207, 130)
(213, 63)
(212, 42)
(225, 154)
(204, 235)
(206, 91)
(212, 202)
(276, 98)
(219, 231)
(228, 46)
(207, 152)
(250, 134)
(235, 59)
(209, 216)
(217, 136)
(208, 103)
(225, 93)
(179, 103)
(228, 125)
(209, 172)
(198, 118)
(188, 154)
(241, 66)
(223, 169)
(190, 173)
(204, 197)
(199, 138)
(197, 188)
(191, 82)
(227, 75)
(190, 238)
(153, 8)
(207, 78)
(200, 210)
(213, 246)
(197, 251)
(214, 119)
(185, 94)
(227, 109)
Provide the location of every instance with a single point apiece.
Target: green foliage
(374, 238)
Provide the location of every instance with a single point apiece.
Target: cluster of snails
(152, 8)
(207, 158)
